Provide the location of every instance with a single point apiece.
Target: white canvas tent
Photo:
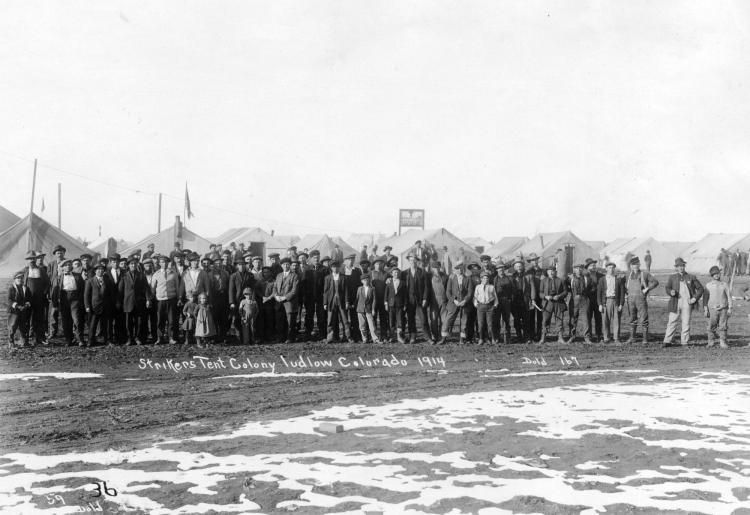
(257, 241)
(324, 244)
(622, 249)
(229, 236)
(596, 244)
(457, 248)
(478, 243)
(34, 233)
(506, 246)
(106, 245)
(164, 241)
(7, 218)
(356, 240)
(703, 254)
(545, 245)
(678, 247)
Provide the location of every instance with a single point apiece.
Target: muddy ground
(134, 406)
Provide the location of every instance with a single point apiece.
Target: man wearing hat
(437, 300)
(373, 254)
(336, 302)
(504, 288)
(387, 255)
(133, 290)
(353, 275)
(416, 288)
(291, 253)
(238, 281)
(86, 267)
(684, 291)
(227, 262)
(459, 291)
(239, 253)
(445, 261)
(166, 285)
(534, 316)
(315, 316)
(19, 310)
(363, 254)
(610, 294)
(637, 286)
(594, 313)
(337, 254)
(150, 314)
(53, 271)
(273, 260)
(285, 290)
(194, 280)
(524, 303)
(264, 291)
(150, 251)
(67, 298)
(552, 291)
(578, 305)
(99, 298)
(378, 279)
(219, 295)
(37, 280)
(717, 306)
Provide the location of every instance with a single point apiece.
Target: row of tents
(18, 235)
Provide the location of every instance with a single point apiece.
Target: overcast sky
(498, 118)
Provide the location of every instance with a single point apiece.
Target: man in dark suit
(353, 275)
(36, 279)
(313, 296)
(581, 288)
(378, 278)
(594, 276)
(219, 295)
(285, 290)
(134, 294)
(99, 299)
(415, 282)
(524, 295)
(67, 298)
(684, 291)
(238, 281)
(395, 304)
(552, 291)
(610, 295)
(19, 310)
(504, 288)
(336, 302)
(459, 292)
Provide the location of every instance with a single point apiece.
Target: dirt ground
(133, 406)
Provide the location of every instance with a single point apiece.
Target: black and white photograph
(375, 257)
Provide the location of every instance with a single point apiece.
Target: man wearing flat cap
(638, 284)
(219, 295)
(316, 319)
(459, 292)
(524, 295)
(717, 306)
(19, 310)
(166, 285)
(534, 316)
(445, 261)
(273, 262)
(285, 291)
(194, 280)
(578, 305)
(387, 256)
(610, 299)
(134, 292)
(337, 254)
(353, 275)
(594, 276)
(238, 281)
(684, 291)
(416, 288)
(504, 288)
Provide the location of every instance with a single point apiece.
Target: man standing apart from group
(684, 292)
(717, 306)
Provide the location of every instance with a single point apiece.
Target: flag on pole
(188, 212)
(42, 203)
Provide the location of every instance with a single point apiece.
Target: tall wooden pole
(158, 224)
(59, 206)
(33, 188)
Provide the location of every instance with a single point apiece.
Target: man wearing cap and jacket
(133, 290)
(19, 310)
(238, 281)
(504, 288)
(581, 289)
(353, 275)
(416, 290)
(534, 317)
(315, 314)
(53, 271)
(99, 299)
(610, 297)
(637, 286)
(684, 291)
(717, 306)
(594, 277)
(524, 295)
(37, 280)
(285, 290)
(336, 302)
(437, 301)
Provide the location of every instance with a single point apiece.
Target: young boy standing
(717, 306)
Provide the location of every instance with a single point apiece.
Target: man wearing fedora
(594, 276)
(36, 279)
(684, 291)
(534, 316)
(638, 284)
(552, 291)
(53, 271)
(67, 298)
(99, 299)
(459, 292)
(285, 290)
(524, 293)
(578, 305)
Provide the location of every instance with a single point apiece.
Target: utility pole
(33, 189)
(59, 206)
(158, 224)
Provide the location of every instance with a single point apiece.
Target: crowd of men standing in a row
(147, 297)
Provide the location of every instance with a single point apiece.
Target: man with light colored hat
(638, 284)
(446, 261)
(717, 306)
(684, 291)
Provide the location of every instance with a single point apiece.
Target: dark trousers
(437, 314)
(220, 311)
(117, 326)
(337, 314)
(595, 314)
(18, 322)
(578, 307)
(167, 318)
(397, 319)
(520, 313)
(134, 324)
(286, 323)
(315, 316)
(502, 317)
(39, 321)
(553, 318)
(484, 319)
(98, 324)
(354, 324)
(71, 311)
(638, 312)
(267, 318)
(151, 321)
(453, 312)
(382, 320)
(415, 310)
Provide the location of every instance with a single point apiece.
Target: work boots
(631, 339)
(645, 336)
(711, 341)
(560, 338)
(400, 336)
(543, 337)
